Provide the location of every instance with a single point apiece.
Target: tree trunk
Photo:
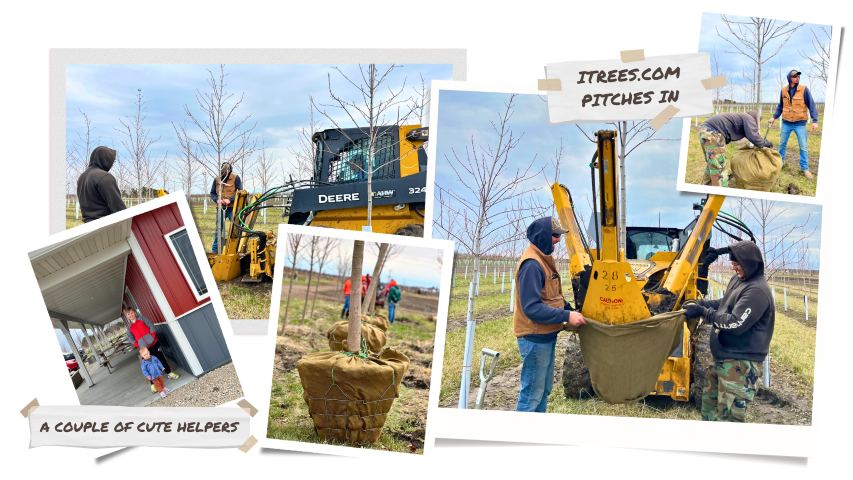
(370, 296)
(354, 325)
(314, 301)
(289, 290)
(307, 291)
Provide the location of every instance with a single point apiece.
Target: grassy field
(791, 169)
(792, 349)
(412, 334)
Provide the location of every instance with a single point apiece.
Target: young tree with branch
(144, 168)
(187, 163)
(77, 157)
(343, 261)
(305, 153)
(293, 249)
(326, 246)
(354, 324)
(819, 60)
(752, 39)
(372, 116)
(370, 295)
(312, 247)
(776, 240)
(223, 137)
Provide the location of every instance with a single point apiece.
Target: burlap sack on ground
(379, 321)
(756, 168)
(625, 361)
(337, 336)
(349, 396)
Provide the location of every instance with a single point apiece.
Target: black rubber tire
(298, 218)
(702, 363)
(576, 381)
(411, 230)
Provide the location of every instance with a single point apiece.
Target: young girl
(152, 369)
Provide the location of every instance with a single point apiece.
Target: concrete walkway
(126, 386)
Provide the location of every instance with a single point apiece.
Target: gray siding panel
(202, 330)
(170, 347)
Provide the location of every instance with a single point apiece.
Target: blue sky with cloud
(651, 169)
(790, 54)
(413, 266)
(276, 95)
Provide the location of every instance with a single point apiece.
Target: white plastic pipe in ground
(773, 291)
(806, 300)
(77, 210)
(512, 297)
(785, 294)
(205, 204)
(466, 272)
(767, 371)
(469, 350)
(503, 279)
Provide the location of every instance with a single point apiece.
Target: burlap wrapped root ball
(374, 337)
(349, 396)
(756, 168)
(379, 321)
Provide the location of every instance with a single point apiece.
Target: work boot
(343, 311)
(807, 174)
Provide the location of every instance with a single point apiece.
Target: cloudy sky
(651, 169)
(413, 266)
(276, 96)
(791, 55)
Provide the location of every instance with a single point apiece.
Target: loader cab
(642, 243)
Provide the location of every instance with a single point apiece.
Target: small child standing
(153, 370)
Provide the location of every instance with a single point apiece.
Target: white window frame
(180, 263)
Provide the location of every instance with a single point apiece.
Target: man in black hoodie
(539, 313)
(97, 190)
(743, 323)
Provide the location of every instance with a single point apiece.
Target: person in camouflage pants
(717, 171)
(729, 387)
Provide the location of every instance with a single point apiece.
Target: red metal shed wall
(138, 287)
(149, 229)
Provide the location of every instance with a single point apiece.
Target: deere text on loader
(663, 268)
(337, 197)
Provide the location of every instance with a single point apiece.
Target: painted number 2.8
(413, 191)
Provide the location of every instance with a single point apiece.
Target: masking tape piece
(629, 56)
(248, 444)
(550, 84)
(714, 82)
(663, 117)
(26, 411)
(245, 405)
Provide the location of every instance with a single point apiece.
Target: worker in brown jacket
(229, 182)
(795, 106)
(539, 313)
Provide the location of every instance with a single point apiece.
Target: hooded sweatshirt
(744, 318)
(735, 126)
(97, 190)
(531, 281)
(394, 293)
(807, 98)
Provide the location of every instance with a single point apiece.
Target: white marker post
(512, 297)
(77, 210)
(466, 272)
(785, 293)
(806, 300)
(503, 279)
(205, 205)
(469, 350)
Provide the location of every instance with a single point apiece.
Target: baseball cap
(795, 73)
(556, 228)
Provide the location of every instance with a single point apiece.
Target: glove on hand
(769, 145)
(693, 311)
(713, 253)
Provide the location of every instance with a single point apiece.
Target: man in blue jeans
(394, 296)
(230, 183)
(795, 106)
(539, 314)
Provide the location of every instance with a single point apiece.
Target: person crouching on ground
(539, 314)
(153, 371)
(743, 323)
(717, 132)
(394, 296)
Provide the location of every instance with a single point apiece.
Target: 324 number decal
(413, 191)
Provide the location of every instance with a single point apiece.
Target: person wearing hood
(539, 313)
(231, 183)
(97, 190)
(394, 296)
(795, 106)
(743, 323)
(717, 132)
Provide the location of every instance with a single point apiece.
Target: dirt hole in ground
(287, 357)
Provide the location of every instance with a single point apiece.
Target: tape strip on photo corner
(629, 56)
(550, 85)
(247, 407)
(663, 117)
(714, 82)
(30, 408)
(250, 442)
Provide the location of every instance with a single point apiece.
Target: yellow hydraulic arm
(578, 256)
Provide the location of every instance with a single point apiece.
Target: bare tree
(144, 168)
(717, 70)
(265, 170)
(354, 324)
(305, 153)
(371, 115)
(223, 138)
(326, 246)
(819, 60)
(293, 248)
(776, 240)
(370, 295)
(77, 157)
(311, 250)
(187, 164)
(754, 37)
(478, 205)
(343, 261)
